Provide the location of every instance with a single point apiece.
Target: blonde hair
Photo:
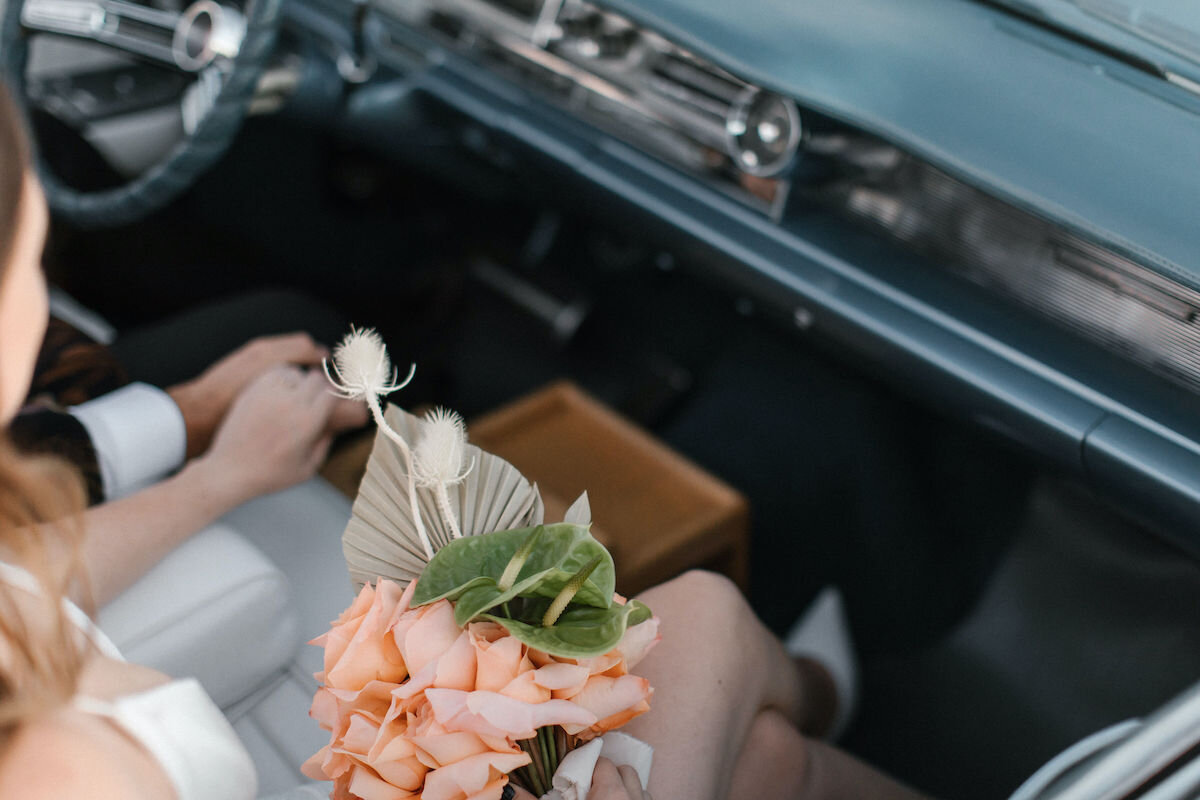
(41, 653)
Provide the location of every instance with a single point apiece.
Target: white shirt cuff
(138, 434)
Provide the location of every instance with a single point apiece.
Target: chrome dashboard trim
(627, 80)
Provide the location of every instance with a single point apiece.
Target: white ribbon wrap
(573, 778)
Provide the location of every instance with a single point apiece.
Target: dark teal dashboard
(1031, 115)
(1098, 143)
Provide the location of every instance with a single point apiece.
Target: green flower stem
(526, 775)
(556, 747)
(551, 751)
(560, 744)
(536, 770)
(547, 762)
(569, 591)
(513, 570)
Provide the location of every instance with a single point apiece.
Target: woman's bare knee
(773, 760)
(707, 610)
(700, 591)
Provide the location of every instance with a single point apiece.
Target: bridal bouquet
(485, 646)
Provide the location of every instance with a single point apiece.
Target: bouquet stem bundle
(547, 750)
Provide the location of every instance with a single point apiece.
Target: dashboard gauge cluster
(630, 81)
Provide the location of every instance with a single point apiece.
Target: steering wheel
(223, 49)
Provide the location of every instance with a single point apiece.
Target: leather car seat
(234, 606)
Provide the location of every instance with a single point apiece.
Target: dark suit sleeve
(42, 431)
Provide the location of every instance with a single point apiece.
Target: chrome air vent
(629, 81)
(1103, 295)
(696, 85)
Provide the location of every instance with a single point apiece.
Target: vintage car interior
(921, 279)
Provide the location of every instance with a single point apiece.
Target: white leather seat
(234, 606)
(300, 530)
(215, 609)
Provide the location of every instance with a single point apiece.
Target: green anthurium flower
(581, 631)
(468, 571)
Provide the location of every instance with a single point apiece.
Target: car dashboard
(991, 213)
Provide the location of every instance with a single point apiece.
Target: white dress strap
(22, 579)
(189, 737)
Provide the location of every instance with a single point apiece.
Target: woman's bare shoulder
(70, 754)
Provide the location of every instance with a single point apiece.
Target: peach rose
(478, 777)
(526, 688)
(613, 701)
(602, 685)
(356, 650)
(499, 657)
(422, 634)
(330, 706)
(638, 641)
(366, 785)
(438, 747)
(493, 714)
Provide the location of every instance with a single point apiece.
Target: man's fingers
(633, 784)
(333, 414)
(316, 386)
(606, 782)
(610, 783)
(285, 376)
(320, 451)
(293, 348)
(320, 400)
(347, 415)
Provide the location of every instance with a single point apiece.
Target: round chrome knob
(764, 132)
(596, 35)
(205, 31)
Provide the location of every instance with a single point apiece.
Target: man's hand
(277, 432)
(205, 400)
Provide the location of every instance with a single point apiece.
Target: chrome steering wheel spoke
(204, 32)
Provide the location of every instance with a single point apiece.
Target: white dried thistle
(361, 367)
(441, 448)
(361, 370)
(438, 459)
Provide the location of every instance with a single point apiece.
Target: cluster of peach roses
(419, 707)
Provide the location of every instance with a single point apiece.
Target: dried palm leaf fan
(424, 484)
(382, 539)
